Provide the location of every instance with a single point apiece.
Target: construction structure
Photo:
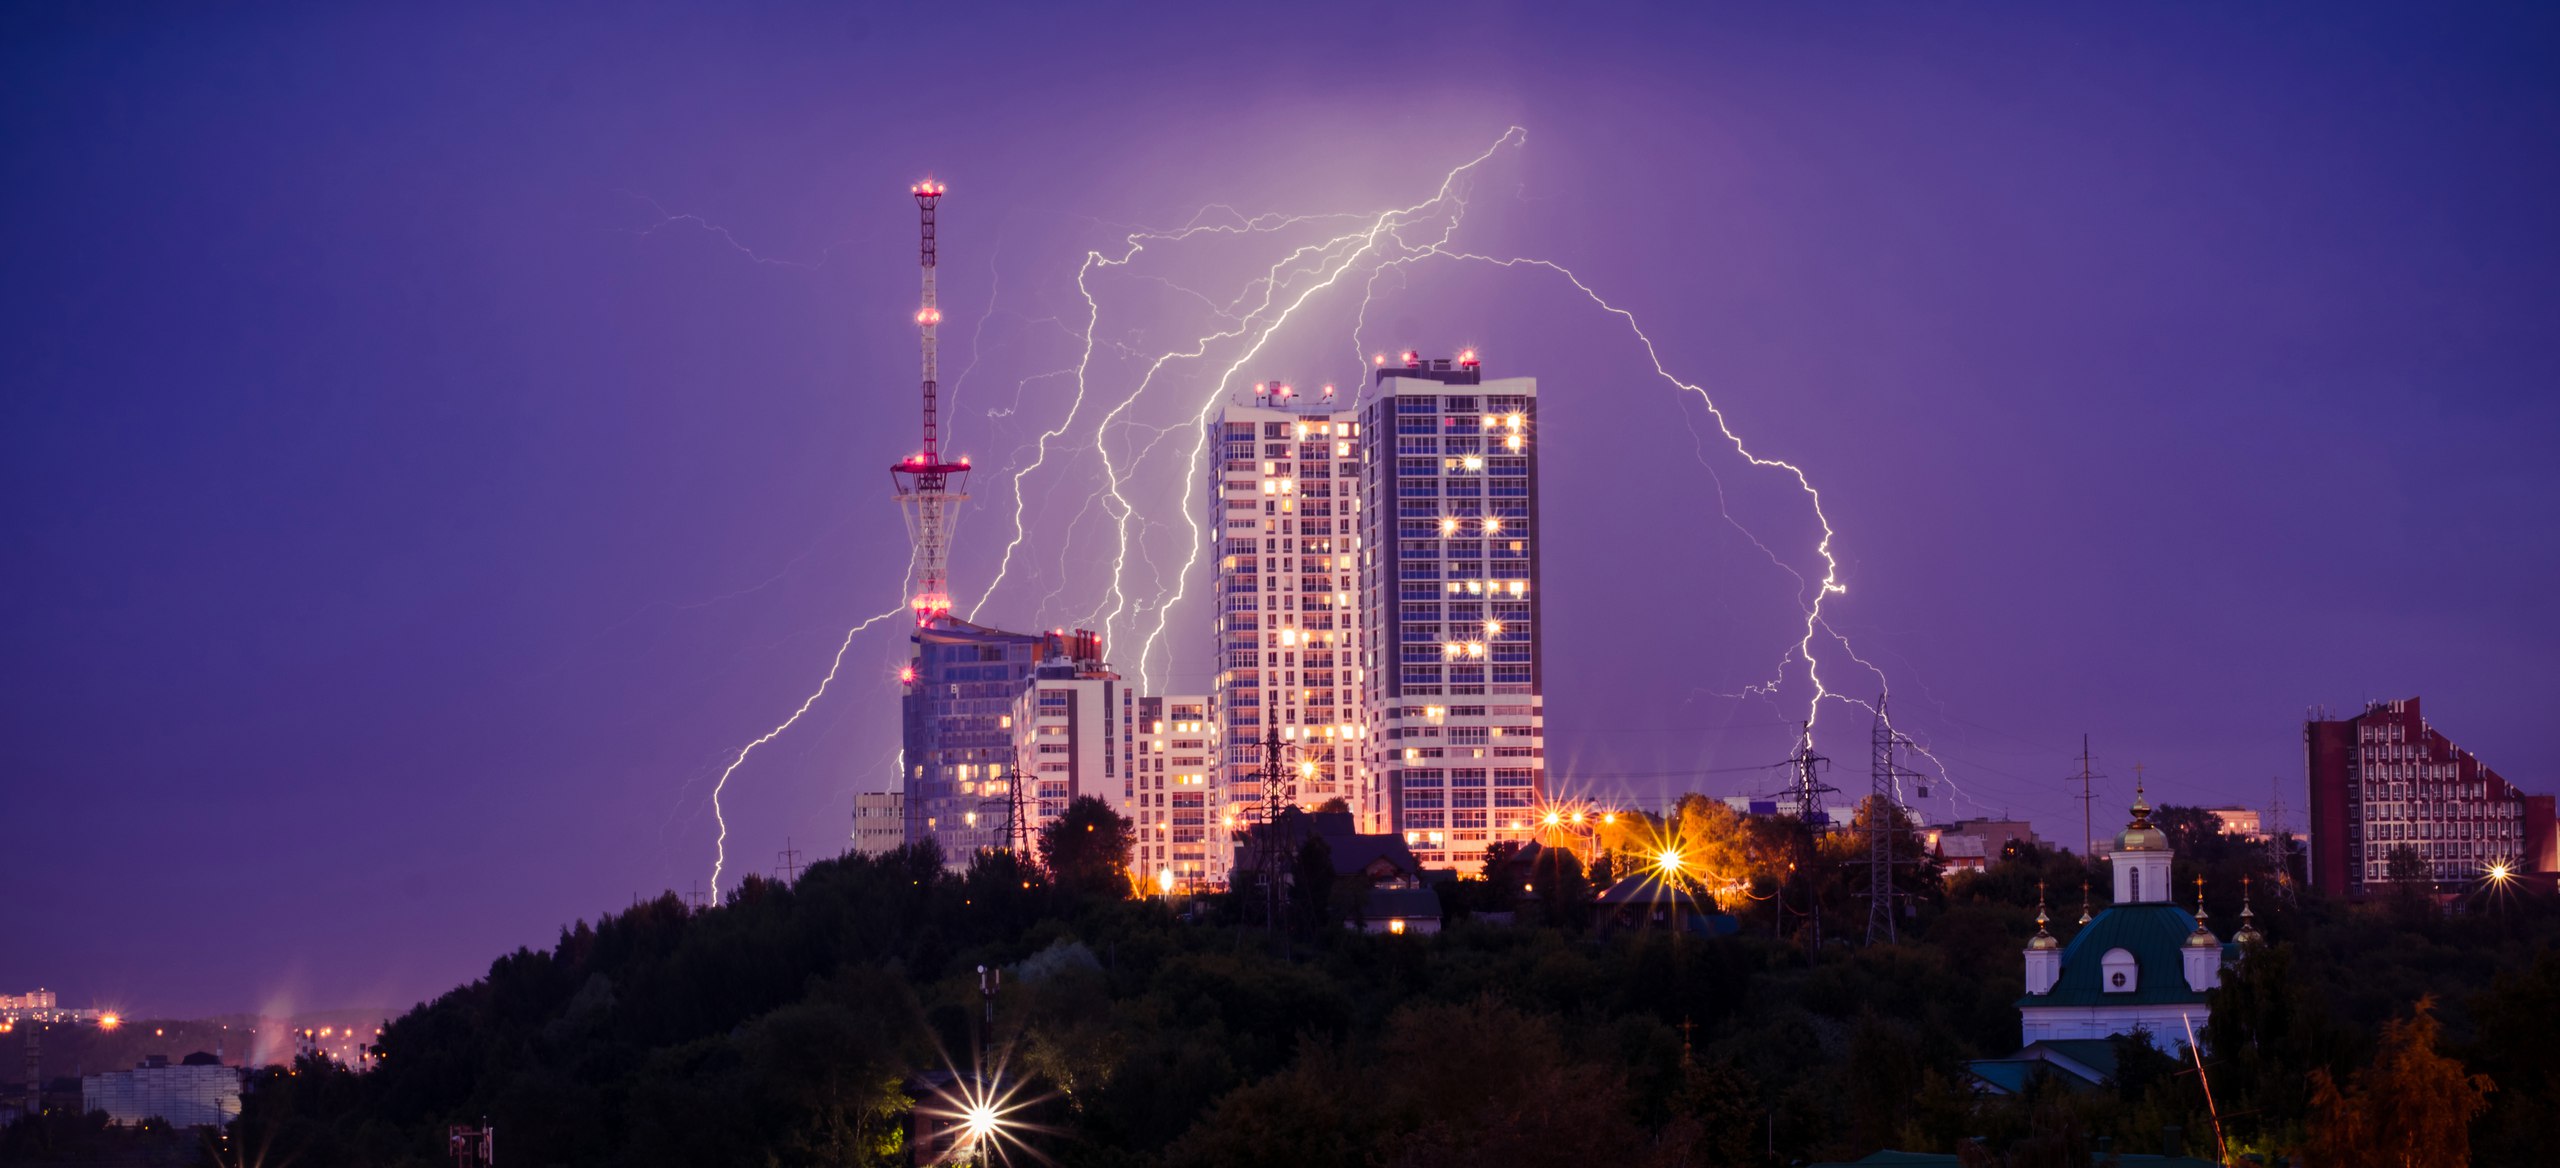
(929, 489)
(2384, 779)
(1453, 735)
(1281, 494)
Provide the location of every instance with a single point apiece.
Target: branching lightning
(1357, 259)
(1351, 252)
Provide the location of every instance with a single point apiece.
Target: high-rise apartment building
(2385, 778)
(1072, 732)
(1455, 724)
(1181, 839)
(1282, 493)
(957, 734)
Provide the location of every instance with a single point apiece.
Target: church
(2143, 965)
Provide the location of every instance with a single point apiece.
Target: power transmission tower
(786, 863)
(1809, 787)
(1807, 796)
(1884, 820)
(1271, 850)
(2278, 855)
(1018, 836)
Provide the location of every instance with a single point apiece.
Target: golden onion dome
(2203, 938)
(2140, 835)
(2044, 940)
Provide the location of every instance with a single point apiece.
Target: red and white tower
(930, 490)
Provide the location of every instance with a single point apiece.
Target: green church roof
(2155, 934)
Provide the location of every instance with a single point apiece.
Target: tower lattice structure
(930, 490)
(1884, 815)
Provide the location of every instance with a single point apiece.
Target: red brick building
(2384, 778)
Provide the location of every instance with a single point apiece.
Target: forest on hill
(794, 1023)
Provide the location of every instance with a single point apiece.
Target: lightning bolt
(720, 845)
(1358, 259)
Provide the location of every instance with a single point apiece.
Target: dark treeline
(782, 1027)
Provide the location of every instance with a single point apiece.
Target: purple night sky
(434, 443)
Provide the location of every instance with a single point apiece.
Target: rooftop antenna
(930, 490)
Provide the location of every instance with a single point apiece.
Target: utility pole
(2088, 828)
(929, 488)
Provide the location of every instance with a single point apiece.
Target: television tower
(930, 490)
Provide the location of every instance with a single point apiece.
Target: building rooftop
(2154, 933)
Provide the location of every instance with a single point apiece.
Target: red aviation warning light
(930, 490)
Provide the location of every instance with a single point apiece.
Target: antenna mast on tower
(929, 489)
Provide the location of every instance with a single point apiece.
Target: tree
(1311, 885)
(2411, 1109)
(1087, 849)
(1334, 806)
(2405, 867)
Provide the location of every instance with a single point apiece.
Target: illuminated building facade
(1450, 606)
(957, 734)
(879, 822)
(1071, 730)
(199, 1092)
(2385, 778)
(1282, 501)
(1172, 792)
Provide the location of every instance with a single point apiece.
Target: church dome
(2140, 835)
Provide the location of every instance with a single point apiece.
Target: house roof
(2154, 933)
(2096, 1054)
(2083, 1062)
(1647, 888)
(1354, 853)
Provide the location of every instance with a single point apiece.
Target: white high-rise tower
(1282, 496)
(1455, 737)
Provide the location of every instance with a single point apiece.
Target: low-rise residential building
(198, 1092)
(1073, 732)
(879, 822)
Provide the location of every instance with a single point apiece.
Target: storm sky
(436, 441)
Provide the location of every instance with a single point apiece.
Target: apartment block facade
(956, 745)
(1282, 494)
(2384, 778)
(1172, 788)
(1072, 732)
(1449, 594)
